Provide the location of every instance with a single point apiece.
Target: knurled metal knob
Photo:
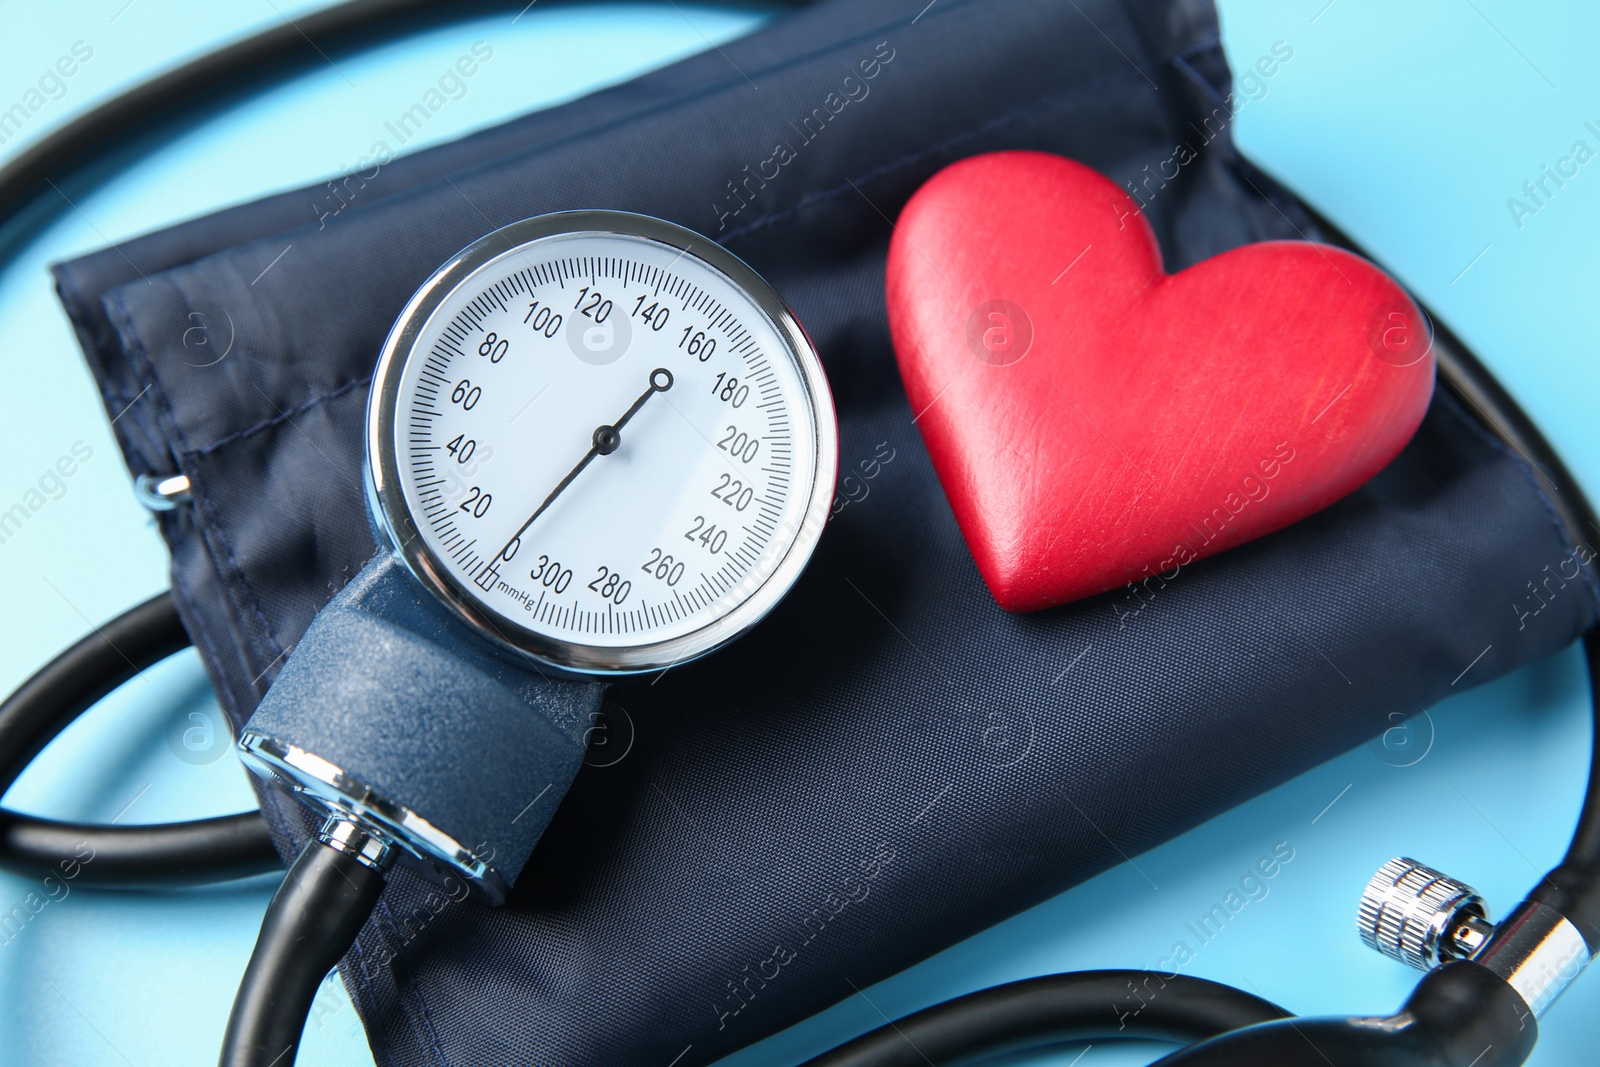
(1420, 917)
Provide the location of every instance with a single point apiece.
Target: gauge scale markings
(500, 575)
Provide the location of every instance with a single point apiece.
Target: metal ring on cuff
(328, 786)
(163, 492)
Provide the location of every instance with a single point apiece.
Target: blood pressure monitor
(601, 440)
(597, 445)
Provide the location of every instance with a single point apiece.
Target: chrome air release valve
(1420, 917)
(1414, 914)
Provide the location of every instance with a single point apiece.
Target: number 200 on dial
(602, 440)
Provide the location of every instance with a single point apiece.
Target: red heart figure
(1096, 421)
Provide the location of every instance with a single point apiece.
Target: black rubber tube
(1585, 848)
(309, 926)
(160, 856)
(206, 850)
(287, 43)
(215, 78)
(76, 679)
(1460, 1015)
(1573, 886)
(1056, 1008)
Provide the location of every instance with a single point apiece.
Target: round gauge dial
(602, 440)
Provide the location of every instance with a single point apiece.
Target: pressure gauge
(601, 440)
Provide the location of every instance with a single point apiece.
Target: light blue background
(1411, 125)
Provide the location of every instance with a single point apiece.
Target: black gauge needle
(606, 440)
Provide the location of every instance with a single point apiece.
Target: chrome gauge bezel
(397, 524)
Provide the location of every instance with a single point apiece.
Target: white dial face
(605, 441)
